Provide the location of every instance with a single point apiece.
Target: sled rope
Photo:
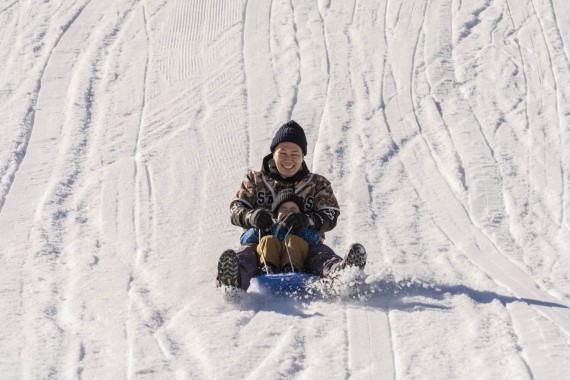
(287, 249)
(263, 255)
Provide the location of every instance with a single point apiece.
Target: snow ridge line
(520, 346)
(137, 148)
(516, 287)
(519, 48)
(11, 169)
(57, 213)
(559, 101)
(9, 6)
(246, 130)
(261, 98)
(288, 348)
(547, 43)
(328, 75)
(394, 148)
(141, 250)
(370, 346)
(477, 162)
(297, 84)
(558, 69)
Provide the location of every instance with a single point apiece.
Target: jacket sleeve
(325, 220)
(326, 207)
(243, 202)
(310, 236)
(250, 236)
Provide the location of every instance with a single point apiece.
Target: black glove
(296, 221)
(260, 218)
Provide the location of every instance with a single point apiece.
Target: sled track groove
(370, 347)
(59, 207)
(557, 90)
(548, 156)
(9, 6)
(508, 265)
(10, 170)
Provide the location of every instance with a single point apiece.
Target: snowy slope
(127, 126)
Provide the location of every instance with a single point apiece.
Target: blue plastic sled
(282, 283)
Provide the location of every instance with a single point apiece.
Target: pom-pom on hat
(290, 132)
(287, 195)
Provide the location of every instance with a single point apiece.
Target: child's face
(286, 209)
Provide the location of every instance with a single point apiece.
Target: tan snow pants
(274, 252)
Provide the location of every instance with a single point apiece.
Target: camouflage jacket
(259, 189)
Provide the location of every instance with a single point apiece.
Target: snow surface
(128, 125)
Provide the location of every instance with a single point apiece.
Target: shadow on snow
(385, 294)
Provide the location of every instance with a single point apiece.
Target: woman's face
(286, 209)
(288, 158)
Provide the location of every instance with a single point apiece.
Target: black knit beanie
(286, 195)
(290, 132)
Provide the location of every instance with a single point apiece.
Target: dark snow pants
(321, 260)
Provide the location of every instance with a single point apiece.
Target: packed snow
(128, 125)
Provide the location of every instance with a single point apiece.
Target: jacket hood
(269, 169)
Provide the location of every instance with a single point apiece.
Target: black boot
(356, 257)
(228, 269)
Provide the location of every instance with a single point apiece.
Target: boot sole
(228, 269)
(356, 256)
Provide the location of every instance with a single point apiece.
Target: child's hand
(294, 222)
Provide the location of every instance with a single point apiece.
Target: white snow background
(126, 127)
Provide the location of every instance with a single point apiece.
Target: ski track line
(104, 43)
(504, 277)
(312, 75)
(370, 351)
(244, 56)
(140, 248)
(75, 143)
(521, 284)
(365, 360)
(9, 6)
(370, 347)
(217, 120)
(186, 22)
(510, 263)
(561, 114)
(326, 44)
(140, 168)
(558, 112)
(563, 202)
(200, 368)
(297, 84)
(544, 353)
(29, 119)
(286, 73)
(537, 174)
(206, 136)
(286, 349)
(261, 90)
(364, 146)
(392, 151)
(527, 85)
(101, 43)
(339, 105)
